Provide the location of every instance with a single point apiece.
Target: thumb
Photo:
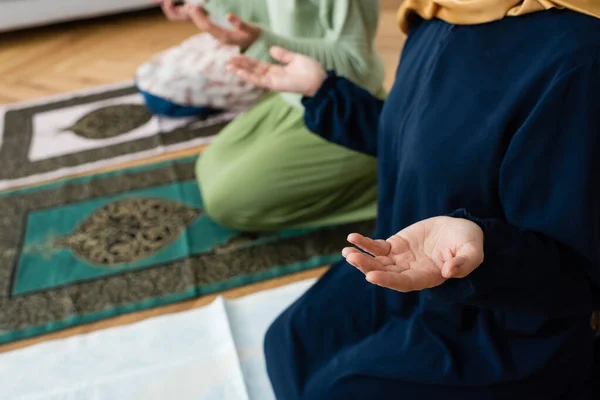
(197, 13)
(467, 259)
(282, 55)
(238, 23)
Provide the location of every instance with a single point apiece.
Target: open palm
(297, 73)
(422, 256)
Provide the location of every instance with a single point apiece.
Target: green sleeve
(347, 45)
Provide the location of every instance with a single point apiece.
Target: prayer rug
(86, 130)
(93, 247)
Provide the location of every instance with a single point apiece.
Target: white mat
(210, 353)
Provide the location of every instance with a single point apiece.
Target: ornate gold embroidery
(111, 121)
(129, 230)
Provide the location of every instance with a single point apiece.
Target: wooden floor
(46, 61)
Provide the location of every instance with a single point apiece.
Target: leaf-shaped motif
(111, 121)
(129, 230)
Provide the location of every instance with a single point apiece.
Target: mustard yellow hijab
(467, 12)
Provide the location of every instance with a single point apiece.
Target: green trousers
(266, 171)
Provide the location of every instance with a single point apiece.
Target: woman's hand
(173, 12)
(422, 256)
(242, 35)
(298, 74)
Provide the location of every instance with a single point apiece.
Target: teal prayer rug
(94, 247)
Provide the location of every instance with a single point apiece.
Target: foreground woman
(489, 163)
(265, 170)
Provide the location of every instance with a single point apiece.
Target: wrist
(318, 83)
(464, 214)
(322, 92)
(255, 33)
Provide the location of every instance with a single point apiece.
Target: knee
(229, 201)
(284, 366)
(296, 372)
(227, 207)
(224, 206)
(220, 206)
(218, 199)
(275, 340)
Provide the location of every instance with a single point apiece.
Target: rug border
(80, 320)
(89, 177)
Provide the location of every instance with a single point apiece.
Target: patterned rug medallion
(82, 131)
(93, 247)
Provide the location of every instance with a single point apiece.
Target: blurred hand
(173, 12)
(298, 74)
(422, 256)
(242, 35)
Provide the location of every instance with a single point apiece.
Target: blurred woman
(265, 170)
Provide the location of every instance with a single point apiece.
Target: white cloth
(210, 353)
(195, 73)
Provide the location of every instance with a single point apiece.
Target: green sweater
(338, 33)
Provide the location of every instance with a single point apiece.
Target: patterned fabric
(195, 74)
(82, 131)
(93, 247)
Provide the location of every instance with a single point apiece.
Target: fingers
(466, 260)
(238, 23)
(242, 62)
(251, 70)
(198, 15)
(374, 247)
(281, 55)
(408, 281)
(382, 263)
(200, 18)
(246, 70)
(256, 80)
(168, 8)
(366, 263)
(346, 251)
(172, 12)
(363, 262)
(452, 267)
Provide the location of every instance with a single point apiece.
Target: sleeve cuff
(495, 238)
(462, 213)
(458, 290)
(483, 279)
(327, 85)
